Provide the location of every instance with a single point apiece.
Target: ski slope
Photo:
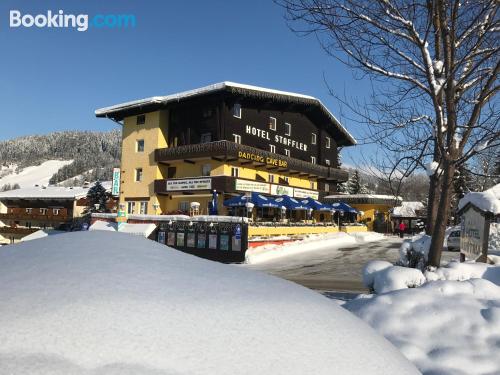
(35, 175)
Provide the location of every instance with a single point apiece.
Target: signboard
(115, 187)
(281, 190)
(189, 184)
(258, 187)
(303, 193)
(121, 219)
(262, 159)
(474, 234)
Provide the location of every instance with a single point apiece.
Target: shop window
(141, 120)
(206, 138)
(272, 123)
(206, 169)
(237, 110)
(139, 145)
(143, 209)
(237, 138)
(235, 172)
(313, 159)
(130, 207)
(288, 129)
(328, 142)
(313, 138)
(272, 148)
(138, 174)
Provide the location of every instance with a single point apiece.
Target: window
(237, 110)
(313, 159)
(271, 178)
(288, 129)
(272, 123)
(312, 184)
(55, 211)
(328, 142)
(287, 152)
(206, 137)
(130, 207)
(138, 174)
(327, 161)
(206, 169)
(143, 209)
(272, 148)
(28, 210)
(184, 206)
(139, 146)
(237, 138)
(141, 119)
(327, 187)
(235, 172)
(313, 138)
(43, 211)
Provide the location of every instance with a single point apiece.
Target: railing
(227, 149)
(41, 217)
(15, 230)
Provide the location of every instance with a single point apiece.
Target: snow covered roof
(41, 234)
(50, 192)
(111, 303)
(407, 209)
(141, 229)
(488, 200)
(115, 111)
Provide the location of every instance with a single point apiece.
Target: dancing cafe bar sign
(262, 159)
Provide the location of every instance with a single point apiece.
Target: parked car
(453, 240)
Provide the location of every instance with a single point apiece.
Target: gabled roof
(117, 112)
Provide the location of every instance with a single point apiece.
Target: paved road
(336, 270)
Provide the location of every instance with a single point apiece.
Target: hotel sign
(262, 159)
(303, 193)
(189, 184)
(474, 234)
(246, 185)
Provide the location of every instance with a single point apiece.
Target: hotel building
(227, 137)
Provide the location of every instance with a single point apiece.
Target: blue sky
(54, 79)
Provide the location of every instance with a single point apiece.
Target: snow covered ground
(35, 175)
(312, 244)
(111, 303)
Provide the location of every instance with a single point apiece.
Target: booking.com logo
(80, 22)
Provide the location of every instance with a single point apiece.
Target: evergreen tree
(97, 194)
(354, 183)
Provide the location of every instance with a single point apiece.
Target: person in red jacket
(402, 228)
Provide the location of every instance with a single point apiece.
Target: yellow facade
(153, 135)
(369, 212)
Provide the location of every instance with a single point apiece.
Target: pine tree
(354, 183)
(96, 195)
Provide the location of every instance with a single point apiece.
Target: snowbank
(111, 303)
(488, 200)
(383, 277)
(332, 241)
(465, 271)
(444, 327)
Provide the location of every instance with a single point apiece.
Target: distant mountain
(74, 156)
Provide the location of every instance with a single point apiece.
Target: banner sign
(258, 187)
(281, 190)
(474, 234)
(115, 189)
(189, 184)
(303, 193)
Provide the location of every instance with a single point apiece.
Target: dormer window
(328, 142)
(237, 110)
(141, 120)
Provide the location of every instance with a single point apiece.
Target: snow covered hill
(31, 176)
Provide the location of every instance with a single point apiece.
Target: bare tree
(435, 68)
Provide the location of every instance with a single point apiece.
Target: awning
(257, 199)
(290, 203)
(341, 206)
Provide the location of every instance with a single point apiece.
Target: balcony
(35, 215)
(249, 156)
(17, 230)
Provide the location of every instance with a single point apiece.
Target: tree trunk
(432, 203)
(442, 215)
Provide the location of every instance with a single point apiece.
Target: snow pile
(383, 277)
(110, 303)
(488, 200)
(35, 175)
(415, 251)
(464, 271)
(494, 238)
(444, 327)
(139, 229)
(330, 241)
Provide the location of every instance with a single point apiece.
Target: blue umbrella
(213, 209)
(257, 199)
(341, 206)
(315, 205)
(290, 203)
